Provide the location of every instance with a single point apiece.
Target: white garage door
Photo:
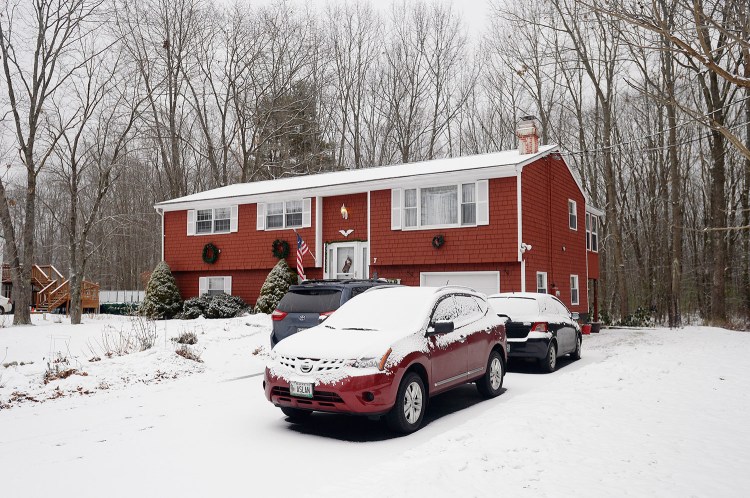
(482, 281)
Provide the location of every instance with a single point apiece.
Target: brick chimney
(528, 135)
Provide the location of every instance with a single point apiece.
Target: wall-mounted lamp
(344, 212)
(525, 247)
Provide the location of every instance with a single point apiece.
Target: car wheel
(549, 362)
(295, 414)
(491, 384)
(576, 355)
(407, 414)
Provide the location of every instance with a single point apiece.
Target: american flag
(302, 249)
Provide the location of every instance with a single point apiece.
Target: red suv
(387, 352)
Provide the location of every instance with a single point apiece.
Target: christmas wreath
(280, 249)
(438, 241)
(210, 253)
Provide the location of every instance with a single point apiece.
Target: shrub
(186, 337)
(189, 353)
(276, 285)
(118, 308)
(225, 306)
(195, 307)
(216, 306)
(162, 298)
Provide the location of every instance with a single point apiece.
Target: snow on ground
(645, 412)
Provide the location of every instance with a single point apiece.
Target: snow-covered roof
(494, 165)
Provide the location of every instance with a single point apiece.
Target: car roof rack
(341, 281)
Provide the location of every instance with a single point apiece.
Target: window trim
(592, 231)
(573, 215)
(577, 288)
(204, 282)
(213, 221)
(459, 204)
(546, 282)
(284, 215)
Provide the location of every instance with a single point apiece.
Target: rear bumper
(530, 348)
(344, 396)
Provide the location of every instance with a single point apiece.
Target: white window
(215, 285)
(287, 214)
(212, 220)
(574, 289)
(442, 206)
(592, 232)
(572, 215)
(541, 282)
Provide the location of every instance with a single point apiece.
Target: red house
(516, 220)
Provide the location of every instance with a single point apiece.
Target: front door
(347, 260)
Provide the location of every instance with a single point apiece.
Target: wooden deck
(51, 289)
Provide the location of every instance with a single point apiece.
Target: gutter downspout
(161, 213)
(521, 260)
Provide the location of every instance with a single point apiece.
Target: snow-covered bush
(276, 285)
(162, 298)
(189, 353)
(195, 307)
(216, 306)
(225, 306)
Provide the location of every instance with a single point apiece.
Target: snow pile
(54, 360)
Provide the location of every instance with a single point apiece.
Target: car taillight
(539, 327)
(278, 315)
(325, 315)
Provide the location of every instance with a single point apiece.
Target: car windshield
(514, 306)
(310, 301)
(396, 308)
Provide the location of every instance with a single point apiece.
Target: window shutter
(396, 209)
(233, 218)
(306, 210)
(228, 285)
(202, 285)
(483, 204)
(261, 225)
(191, 222)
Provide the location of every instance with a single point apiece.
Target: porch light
(344, 212)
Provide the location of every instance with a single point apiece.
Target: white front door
(347, 260)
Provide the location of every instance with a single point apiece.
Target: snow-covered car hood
(324, 342)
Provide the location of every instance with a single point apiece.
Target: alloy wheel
(496, 373)
(412, 402)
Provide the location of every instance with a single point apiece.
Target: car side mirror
(575, 315)
(440, 327)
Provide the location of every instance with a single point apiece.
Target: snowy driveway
(657, 413)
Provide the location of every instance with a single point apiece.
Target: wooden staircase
(54, 290)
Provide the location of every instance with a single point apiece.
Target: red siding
(356, 205)
(546, 186)
(495, 242)
(593, 260)
(246, 255)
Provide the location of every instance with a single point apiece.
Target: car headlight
(372, 362)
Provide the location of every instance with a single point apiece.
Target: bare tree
(33, 78)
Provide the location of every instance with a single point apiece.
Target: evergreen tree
(276, 285)
(162, 298)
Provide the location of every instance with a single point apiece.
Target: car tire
(491, 384)
(411, 403)
(549, 362)
(295, 414)
(576, 354)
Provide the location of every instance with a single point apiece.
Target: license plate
(300, 329)
(301, 389)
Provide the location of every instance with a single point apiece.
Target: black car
(312, 301)
(539, 326)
